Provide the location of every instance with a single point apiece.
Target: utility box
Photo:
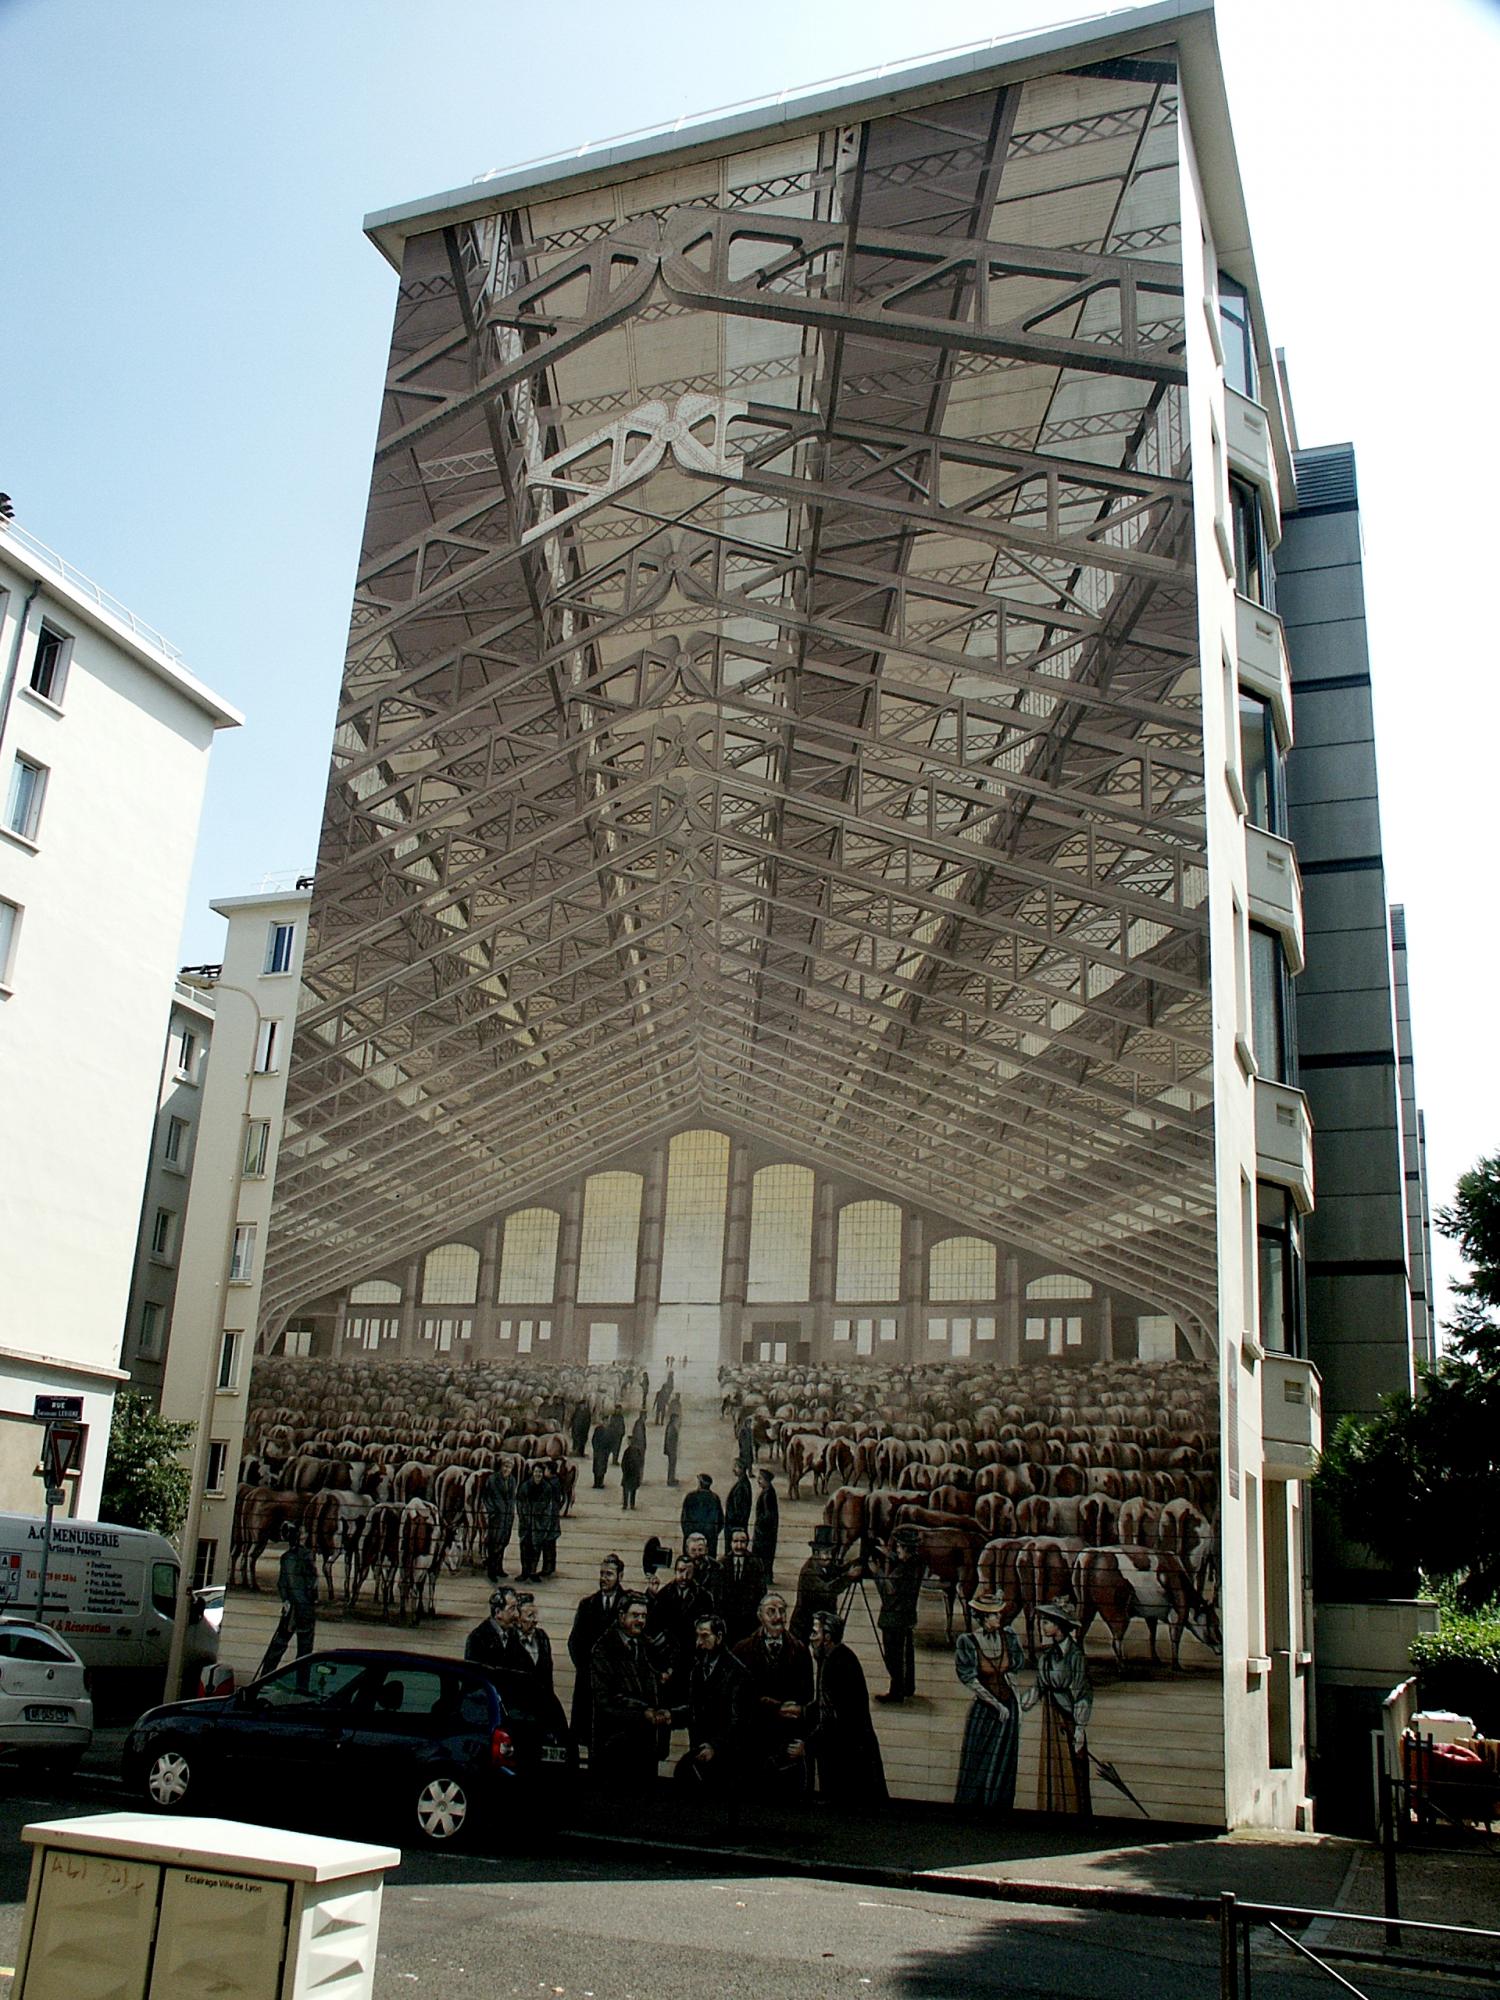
(127, 1906)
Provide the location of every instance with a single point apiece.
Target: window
(266, 1047)
(692, 1249)
(781, 1230)
(1237, 337)
(297, 1340)
(163, 1233)
(204, 1557)
(607, 1250)
(528, 1258)
(257, 1145)
(23, 808)
(218, 1461)
(1252, 571)
(242, 1257)
(174, 1147)
(1059, 1285)
(149, 1343)
(869, 1254)
(279, 946)
(375, 1292)
(229, 1358)
(1269, 1010)
(10, 926)
(961, 1267)
(187, 1054)
(1279, 1240)
(450, 1275)
(1260, 764)
(49, 664)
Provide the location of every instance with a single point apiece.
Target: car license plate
(554, 1753)
(37, 1711)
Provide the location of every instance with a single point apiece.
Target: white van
(110, 1593)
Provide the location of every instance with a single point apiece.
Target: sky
(193, 333)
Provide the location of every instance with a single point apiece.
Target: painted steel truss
(772, 699)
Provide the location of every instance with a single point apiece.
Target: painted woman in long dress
(984, 1660)
(1067, 1698)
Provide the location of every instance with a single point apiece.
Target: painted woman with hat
(1062, 1687)
(984, 1661)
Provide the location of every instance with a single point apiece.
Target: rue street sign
(59, 1406)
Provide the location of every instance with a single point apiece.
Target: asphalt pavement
(680, 1901)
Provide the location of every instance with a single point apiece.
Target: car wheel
(169, 1779)
(444, 1809)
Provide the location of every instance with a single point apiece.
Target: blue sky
(193, 331)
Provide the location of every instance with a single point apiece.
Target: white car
(46, 1716)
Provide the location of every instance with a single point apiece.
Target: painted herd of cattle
(382, 1466)
(1095, 1486)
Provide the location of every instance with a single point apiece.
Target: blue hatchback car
(428, 1745)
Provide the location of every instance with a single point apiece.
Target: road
(573, 1925)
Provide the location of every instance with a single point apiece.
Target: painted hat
(1059, 1615)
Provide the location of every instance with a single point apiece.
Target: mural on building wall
(751, 1114)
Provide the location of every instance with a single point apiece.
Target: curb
(992, 1888)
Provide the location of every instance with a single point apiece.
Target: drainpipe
(14, 661)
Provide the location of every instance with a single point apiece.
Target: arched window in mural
(611, 1228)
(961, 1267)
(781, 1226)
(450, 1275)
(692, 1249)
(528, 1257)
(1059, 1285)
(375, 1292)
(869, 1265)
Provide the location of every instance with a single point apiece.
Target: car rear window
(33, 1646)
(418, 1691)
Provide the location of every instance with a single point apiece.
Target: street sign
(58, 1406)
(60, 1453)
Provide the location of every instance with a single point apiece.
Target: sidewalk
(1175, 1873)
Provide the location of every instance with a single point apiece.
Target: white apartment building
(104, 742)
(207, 1365)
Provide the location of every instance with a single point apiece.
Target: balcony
(1247, 441)
(1283, 1140)
(1276, 891)
(1291, 1396)
(1261, 658)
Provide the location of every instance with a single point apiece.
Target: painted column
(410, 1344)
(482, 1343)
(1106, 1348)
(1009, 1328)
(568, 1328)
(912, 1327)
(648, 1260)
(736, 1253)
(824, 1267)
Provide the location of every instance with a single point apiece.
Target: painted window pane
(611, 1225)
(869, 1251)
(528, 1259)
(375, 1292)
(1059, 1285)
(781, 1226)
(692, 1251)
(961, 1267)
(450, 1275)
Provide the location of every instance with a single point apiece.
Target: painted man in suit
(631, 1723)
(779, 1696)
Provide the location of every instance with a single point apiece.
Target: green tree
(146, 1485)
(1419, 1484)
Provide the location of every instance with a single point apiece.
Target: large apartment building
(104, 743)
(810, 893)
